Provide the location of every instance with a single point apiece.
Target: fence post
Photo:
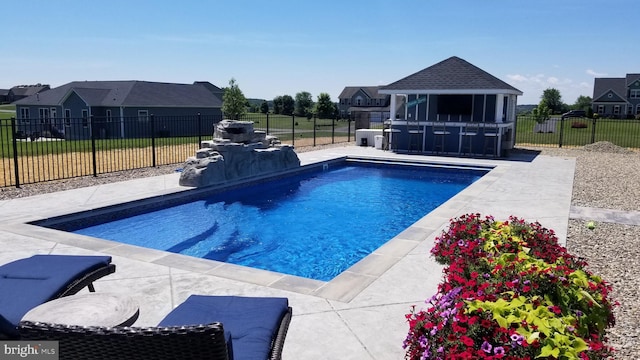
(314, 129)
(153, 140)
(293, 129)
(593, 131)
(561, 131)
(199, 117)
(333, 131)
(15, 152)
(94, 158)
(267, 123)
(349, 130)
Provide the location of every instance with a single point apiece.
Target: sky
(274, 48)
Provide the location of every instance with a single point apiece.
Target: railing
(35, 150)
(574, 132)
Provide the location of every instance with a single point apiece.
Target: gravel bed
(606, 177)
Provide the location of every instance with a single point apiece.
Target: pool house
(452, 108)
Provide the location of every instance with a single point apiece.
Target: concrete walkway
(358, 315)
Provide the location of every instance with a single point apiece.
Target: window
(67, 117)
(143, 115)
(601, 109)
(634, 94)
(358, 101)
(85, 118)
(616, 109)
(455, 104)
(108, 115)
(630, 110)
(637, 109)
(24, 115)
(44, 115)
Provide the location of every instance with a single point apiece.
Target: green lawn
(7, 111)
(625, 133)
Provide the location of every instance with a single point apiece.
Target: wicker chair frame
(205, 342)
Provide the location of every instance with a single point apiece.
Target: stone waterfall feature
(235, 152)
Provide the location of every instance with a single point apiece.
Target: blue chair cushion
(252, 321)
(27, 283)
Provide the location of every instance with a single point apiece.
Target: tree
(277, 105)
(264, 107)
(325, 108)
(233, 101)
(541, 113)
(303, 104)
(583, 103)
(553, 100)
(287, 105)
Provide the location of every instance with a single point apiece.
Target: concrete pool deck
(360, 314)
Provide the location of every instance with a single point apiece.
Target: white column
(392, 107)
(499, 106)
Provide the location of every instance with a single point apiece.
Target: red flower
(467, 340)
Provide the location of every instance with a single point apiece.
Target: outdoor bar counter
(487, 139)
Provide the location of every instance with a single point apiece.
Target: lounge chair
(202, 327)
(29, 282)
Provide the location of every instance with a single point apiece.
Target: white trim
(453, 91)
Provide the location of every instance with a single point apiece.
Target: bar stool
(389, 142)
(440, 134)
(469, 132)
(415, 132)
(491, 134)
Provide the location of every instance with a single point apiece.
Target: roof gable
(632, 79)
(602, 87)
(453, 74)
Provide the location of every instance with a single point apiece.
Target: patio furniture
(468, 133)
(390, 140)
(440, 134)
(27, 283)
(491, 134)
(416, 133)
(202, 327)
(91, 309)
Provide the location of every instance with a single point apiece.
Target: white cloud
(533, 85)
(594, 73)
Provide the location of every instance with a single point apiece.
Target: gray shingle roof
(601, 86)
(453, 74)
(129, 93)
(371, 91)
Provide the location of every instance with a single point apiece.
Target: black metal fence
(39, 150)
(574, 132)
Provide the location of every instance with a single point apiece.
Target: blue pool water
(313, 225)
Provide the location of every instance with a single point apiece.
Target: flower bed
(510, 292)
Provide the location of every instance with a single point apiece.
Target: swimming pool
(315, 224)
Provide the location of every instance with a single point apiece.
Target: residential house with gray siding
(617, 97)
(365, 105)
(120, 109)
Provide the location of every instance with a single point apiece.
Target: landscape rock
(237, 151)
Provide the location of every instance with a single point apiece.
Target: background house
(119, 109)
(617, 97)
(4, 96)
(364, 105)
(22, 91)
